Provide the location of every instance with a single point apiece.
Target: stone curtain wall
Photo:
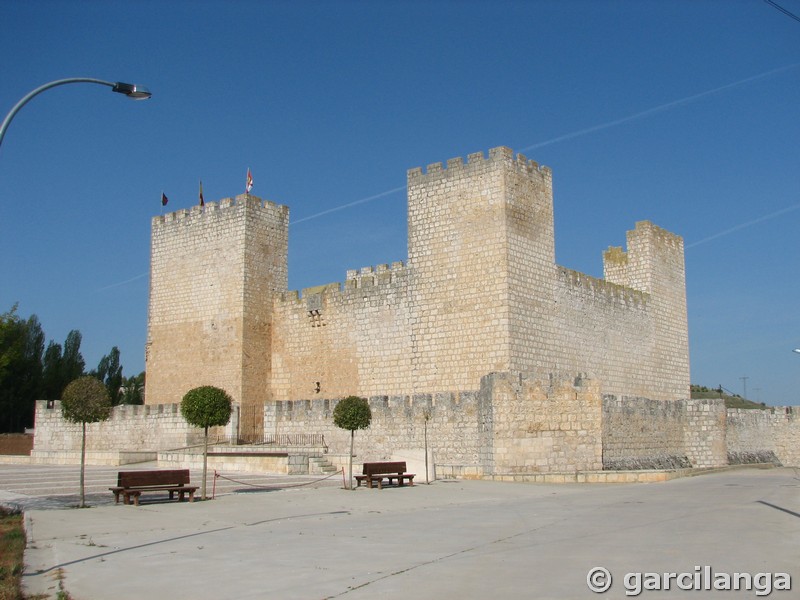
(605, 330)
(350, 338)
(755, 435)
(398, 424)
(543, 425)
(639, 433)
(511, 425)
(130, 428)
(704, 433)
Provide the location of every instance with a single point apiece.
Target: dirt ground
(16, 443)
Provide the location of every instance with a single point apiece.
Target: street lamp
(796, 350)
(136, 92)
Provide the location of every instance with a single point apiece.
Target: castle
(479, 293)
(508, 364)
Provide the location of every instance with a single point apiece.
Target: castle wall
(605, 330)
(705, 433)
(511, 425)
(639, 433)
(129, 428)
(214, 271)
(354, 338)
(543, 425)
(755, 434)
(398, 423)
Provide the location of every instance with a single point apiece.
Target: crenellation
(475, 157)
(603, 290)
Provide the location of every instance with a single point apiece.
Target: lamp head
(131, 90)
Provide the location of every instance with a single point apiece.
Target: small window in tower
(315, 318)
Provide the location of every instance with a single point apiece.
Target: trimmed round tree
(85, 400)
(352, 413)
(206, 406)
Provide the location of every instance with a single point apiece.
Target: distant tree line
(29, 371)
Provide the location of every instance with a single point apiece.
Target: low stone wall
(542, 425)
(639, 433)
(513, 425)
(704, 433)
(397, 422)
(273, 463)
(763, 435)
(129, 428)
(108, 458)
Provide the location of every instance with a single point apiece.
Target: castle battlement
(662, 236)
(499, 154)
(379, 276)
(212, 209)
(603, 290)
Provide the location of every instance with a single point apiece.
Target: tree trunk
(205, 461)
(426, 451)
(83, 465)
(350, 462)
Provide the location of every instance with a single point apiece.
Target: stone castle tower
(214, 272)
(480, 293)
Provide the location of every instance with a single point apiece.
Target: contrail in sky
(581, 132)
(348, 205)
(736, 228)
(571, 136)
(113, 285)
(658, 109)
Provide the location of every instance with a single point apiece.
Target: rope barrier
(265, 487)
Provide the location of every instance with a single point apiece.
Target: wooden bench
(376, 472)
(130, 484)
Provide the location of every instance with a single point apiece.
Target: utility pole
(744, 383)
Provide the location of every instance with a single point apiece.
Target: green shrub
(206, 406)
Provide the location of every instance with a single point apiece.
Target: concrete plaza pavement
(450, 539)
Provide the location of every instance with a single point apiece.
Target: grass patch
(731, 400)
(12, 549)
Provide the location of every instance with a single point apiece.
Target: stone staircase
(319, 465)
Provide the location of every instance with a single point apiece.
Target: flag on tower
(202, 202)
(249, 185)
(164, 199)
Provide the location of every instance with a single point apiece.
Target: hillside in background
(731, 400)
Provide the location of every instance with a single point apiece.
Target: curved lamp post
(137, 92)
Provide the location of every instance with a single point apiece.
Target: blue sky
(685, 113)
